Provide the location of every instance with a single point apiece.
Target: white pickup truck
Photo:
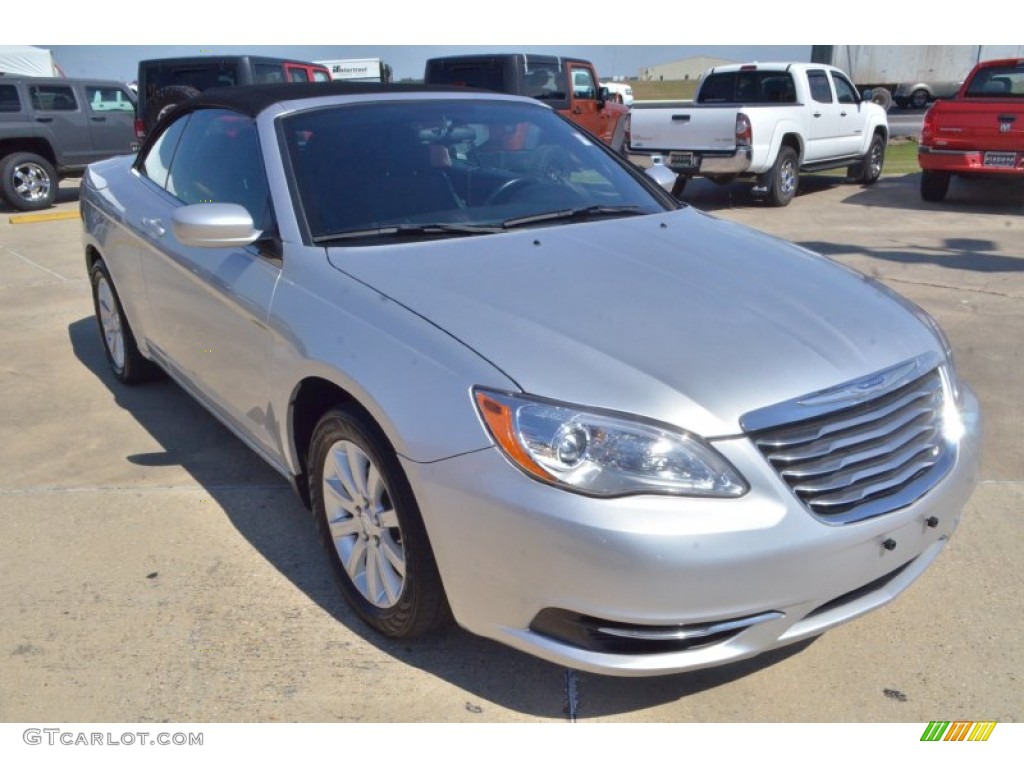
(769, 122)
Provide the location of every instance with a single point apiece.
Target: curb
(32, 218)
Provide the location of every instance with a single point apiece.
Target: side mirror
(602, 95)
(214, 225)
(662, 175)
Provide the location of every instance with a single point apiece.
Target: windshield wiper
(586, 212)
(409, 230)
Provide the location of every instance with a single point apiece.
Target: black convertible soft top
(253, 99)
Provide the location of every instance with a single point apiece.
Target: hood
(678, 317)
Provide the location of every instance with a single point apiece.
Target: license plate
(685, 160)
(1000, 159)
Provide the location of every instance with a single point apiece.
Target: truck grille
(865, 460)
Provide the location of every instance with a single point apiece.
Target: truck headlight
(603, 454)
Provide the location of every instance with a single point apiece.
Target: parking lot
(155, 569)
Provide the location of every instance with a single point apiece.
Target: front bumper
(547, 571)
(968, 162)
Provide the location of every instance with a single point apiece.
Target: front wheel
(27, 181)
(785, 177)
(934, 185)
(869, 169)
(370, 525)
(919, 99)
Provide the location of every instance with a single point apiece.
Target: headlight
(603, 454)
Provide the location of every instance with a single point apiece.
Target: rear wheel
(370, 525)
(123, 356)
(934, 185)
(28, 182)
(785, 177)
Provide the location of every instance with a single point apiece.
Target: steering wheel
(510, 189)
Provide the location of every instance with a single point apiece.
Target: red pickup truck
(980, 132)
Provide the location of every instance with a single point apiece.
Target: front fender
(413, 378)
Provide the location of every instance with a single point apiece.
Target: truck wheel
(164, 100)
(934, 185)
(785, 177)
(27, 181)
(869, 169)
(919, 99)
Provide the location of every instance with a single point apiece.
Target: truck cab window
(845, 92)
(821, 91)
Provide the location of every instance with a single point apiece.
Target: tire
(934, 185)
(919, 99)
(369, 523)
(869, 169)
(28, 182)
(165, 100)
(123, 356)
(784, 178)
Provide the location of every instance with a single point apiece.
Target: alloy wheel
(363, 524)
(31, 182)
(110, 320)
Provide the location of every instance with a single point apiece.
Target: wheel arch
(35, 145)
(312, 397)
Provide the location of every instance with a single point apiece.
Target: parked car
(567, 84)
(768, 123)
(978, 134)
(525, 387)
(51, 128)
(165, 83)
(917, 95)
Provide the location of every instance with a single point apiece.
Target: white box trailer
(913, 74)
(359, 70)
(28, 60)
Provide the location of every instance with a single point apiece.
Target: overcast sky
(121, 62)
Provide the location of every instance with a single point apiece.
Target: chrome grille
(864, 460)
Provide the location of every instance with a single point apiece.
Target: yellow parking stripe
(32, 218)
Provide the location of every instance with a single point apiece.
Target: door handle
(577, 110)
(842, 114)
(817, 114)
(44, 119)
(98, 119)
(154, 227)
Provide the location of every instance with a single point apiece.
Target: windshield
(445, 168)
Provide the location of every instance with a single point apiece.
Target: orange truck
(569, 85)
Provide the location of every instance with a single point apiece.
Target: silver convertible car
(522, 388)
